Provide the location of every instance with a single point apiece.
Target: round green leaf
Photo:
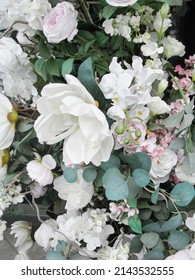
(54, 255)
(110, 174)
(182, 194)
(178, 239)
(135, 224)
(116, 189)
(70, 174)
(89, 174)
(141, 177)
(113, 161)
(154, 254)
(150, 239)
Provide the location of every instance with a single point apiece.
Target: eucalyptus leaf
(70, 174)
(110, 173)
(136, 245)
(154, 254)
(113, 161)
(89, 174)
(108, 11)
(149, 239)
(186, 122)
(141, 177)
(135, 224)
(177, 144)
(182, 194)
(133, 188)
(116, 189)
(154, 227)
(54, 255)
(172, 223)
(67, 67)
(173, 120)
(178, 239)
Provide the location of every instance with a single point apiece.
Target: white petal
(49, 161)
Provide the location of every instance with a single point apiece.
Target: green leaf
(135, 224)
(67, 67)
(86, 35)
(111, 173)
(41, 68)
(149, 239)
(54, 255)
(141, 177)
(182, 194)
(43, 49)
(172, 223)
(133, 188)
(113, 161)
(86, 77)
(154, 254)
(89, 174)
(132, 202)
(189, 107)
(137, 160)
(178, 240)
(70, 174)
(173, 120)
(186, 122)
(98, 180)
(154, 196)
(136, 245)
(154, 227)
(177, 144)
(101, 38)
(188, 164)
(145, 214)
(108, 11)
(53, 67)
(116, 189)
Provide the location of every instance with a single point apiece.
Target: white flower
(161, 24)
(22, 256)
(121, 3)
(37, 190)
(190, 223)
(173, 47)
(45, 234)
(60, 23)
(162, 86)
(8, 118)
(162, 166)
(68, 112)
(16, 71)
(3, 172)
(121, 252)
(2, 228)
(151, 49)
(139, 112)
(22, 231)
(29, 11)
(77, 195)
(180, 255)
(157, 106)
(40, 169)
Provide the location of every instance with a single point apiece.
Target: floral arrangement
(97, 127)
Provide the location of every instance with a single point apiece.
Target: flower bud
(138, 133)
(5, 157)
(12, 116)
(164, 10)
(126, 141)
(120, 129)
(162, 86)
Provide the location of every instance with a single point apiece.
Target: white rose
(60, 23)
(162, 166)
(157, 106)
(8, 119)
(77, 195)
(121, 3)
(68, 112)
(40, 169)
(173, 47)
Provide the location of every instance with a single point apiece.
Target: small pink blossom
(157, 152)
(180, 70)
(190, 61)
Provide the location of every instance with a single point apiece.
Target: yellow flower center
(12, 116)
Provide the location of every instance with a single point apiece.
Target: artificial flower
(8, 121)
(173, 47)
(77, 195)
(69, 113)
(121, 3)
(60, 23)
(22, 231)
(40, 169)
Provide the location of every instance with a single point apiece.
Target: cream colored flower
(69, 113)
(8, 118)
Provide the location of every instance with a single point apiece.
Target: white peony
(77, 195)
(60, 23)
(172, 47)
(40, 169)
(69, 113)
(8, 118)
(157, 106)
(162, 166)
(121, 3)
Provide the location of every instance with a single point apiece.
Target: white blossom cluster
(16, 72)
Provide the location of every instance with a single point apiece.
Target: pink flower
(190, 61)
(180, 70)
(60, 23)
